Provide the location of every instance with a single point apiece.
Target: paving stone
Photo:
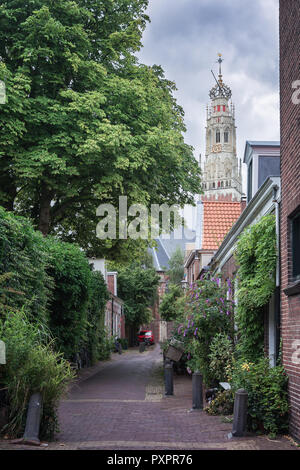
(120, 404)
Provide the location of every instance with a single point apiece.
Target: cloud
(184, 37)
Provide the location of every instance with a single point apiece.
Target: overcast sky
(185, 36)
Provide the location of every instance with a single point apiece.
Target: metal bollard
(33, 419)
(240, 413)
(168, 378)
(142, 347)
(197, 391)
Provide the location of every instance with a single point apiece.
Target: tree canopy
(176, 270)
(84, 121)
(169, 307)
(137, 286)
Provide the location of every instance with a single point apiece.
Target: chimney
(112, 282)
(243, 202)
(199, 225)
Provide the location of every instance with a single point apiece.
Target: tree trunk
(8, 187)
(45, 207)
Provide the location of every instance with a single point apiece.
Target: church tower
(222, 174)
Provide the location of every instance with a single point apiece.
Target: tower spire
(221, 171)
(220, 60)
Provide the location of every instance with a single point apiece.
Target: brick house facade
(114, 320)
(114, 312)
(290, 205)
(158, 326)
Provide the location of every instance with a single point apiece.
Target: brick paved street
(120, 404)
(123, 407)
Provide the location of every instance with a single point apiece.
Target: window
(226, 137)
(218, 136)
(295, 243)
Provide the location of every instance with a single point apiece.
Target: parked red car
(146, 336)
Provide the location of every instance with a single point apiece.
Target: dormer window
(263, 161)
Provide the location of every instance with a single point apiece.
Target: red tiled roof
(218, 218)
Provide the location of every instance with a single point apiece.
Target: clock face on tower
(216, 148)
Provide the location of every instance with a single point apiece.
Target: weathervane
(220, 60)
(219, 90)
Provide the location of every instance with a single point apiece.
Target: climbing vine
(256, 256)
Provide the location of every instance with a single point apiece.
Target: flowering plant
(208, 311)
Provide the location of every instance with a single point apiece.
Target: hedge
(54, 283)
(23, 261)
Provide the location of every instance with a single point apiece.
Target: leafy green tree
(169, 307)
(176, 271)
(12, 125)
(84, 121)
(137, 286)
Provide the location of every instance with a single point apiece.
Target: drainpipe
(112, 317)
(275, 189)
(277, 289)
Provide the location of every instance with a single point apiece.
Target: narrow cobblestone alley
(122, 406)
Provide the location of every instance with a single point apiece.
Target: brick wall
(290, 187)
(111, 283)
(114, 319)
(170, 328)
